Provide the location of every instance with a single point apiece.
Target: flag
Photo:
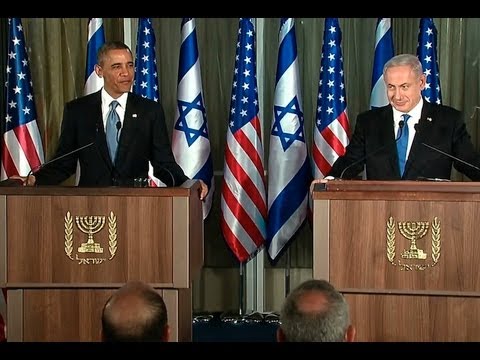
(190, 141)
(93, 83)
(384, 51)
(288, 167)
(146, 76)
(427, 54)
(22, 149)
(243, 200)
(331, 132)
(96, 38)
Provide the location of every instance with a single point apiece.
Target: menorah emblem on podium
(413, 231)
(90, 225)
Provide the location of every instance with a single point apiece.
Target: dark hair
(147, 321)
(108, 46)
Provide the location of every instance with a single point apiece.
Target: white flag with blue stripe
(384, 51)
(190, 141)
(96, 38)
(288, 166)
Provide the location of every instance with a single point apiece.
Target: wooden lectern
(64, 250)
(406, 255)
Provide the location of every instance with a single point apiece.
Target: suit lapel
(424, 127)
(101, 138)
(129, 127)
(388, 133)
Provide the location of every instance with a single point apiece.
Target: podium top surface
(185, 190)
(399, 189)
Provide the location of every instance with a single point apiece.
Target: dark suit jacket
(143, 138)
(373, 144)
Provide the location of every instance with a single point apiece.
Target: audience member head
(135, 312)
(315, 312)
(405, 80)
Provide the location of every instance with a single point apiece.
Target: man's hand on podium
(26, 180)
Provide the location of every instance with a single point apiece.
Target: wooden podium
(64, 250)
(406, 255)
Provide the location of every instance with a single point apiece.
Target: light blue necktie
(402, 144)
(111, 130)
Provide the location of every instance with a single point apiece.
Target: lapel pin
(135, 115)
(429, 118)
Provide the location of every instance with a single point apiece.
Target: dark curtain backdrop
(57, 50)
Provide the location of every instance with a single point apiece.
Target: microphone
(401, 124)
(169, 173)
(450, 156)
(118, 125)
(417, 129)
(41, 166)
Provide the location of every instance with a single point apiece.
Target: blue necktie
(402, 144)
(111, 130)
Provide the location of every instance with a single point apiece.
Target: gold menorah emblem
(413, 231)
(90, 225)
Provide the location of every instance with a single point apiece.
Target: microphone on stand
(401, 124)
(41, 166)
(417, 129)
(450, 156)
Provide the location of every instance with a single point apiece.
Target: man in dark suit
(378, 131)
(140, 135)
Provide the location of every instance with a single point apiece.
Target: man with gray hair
(315, 312)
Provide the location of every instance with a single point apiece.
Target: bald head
(135, 312)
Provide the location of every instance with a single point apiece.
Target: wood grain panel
(358, 243)
(63, 315)
(144, 235)
(415, 318)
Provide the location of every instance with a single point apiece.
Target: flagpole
(287, 272)
(241, 310)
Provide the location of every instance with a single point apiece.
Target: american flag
(190, 141)
(243, 200)
(22, 148)
(288, 165)
(384, 51)
(331, 133)
(427, 54)
(96, 38)
(146, 76)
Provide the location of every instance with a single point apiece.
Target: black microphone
(171, 176)
(401, 124)
(41, 166)
(450, 156)
(417, 129)
(118, 125)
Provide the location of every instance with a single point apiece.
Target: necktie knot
(114, 104)
(405, 118)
